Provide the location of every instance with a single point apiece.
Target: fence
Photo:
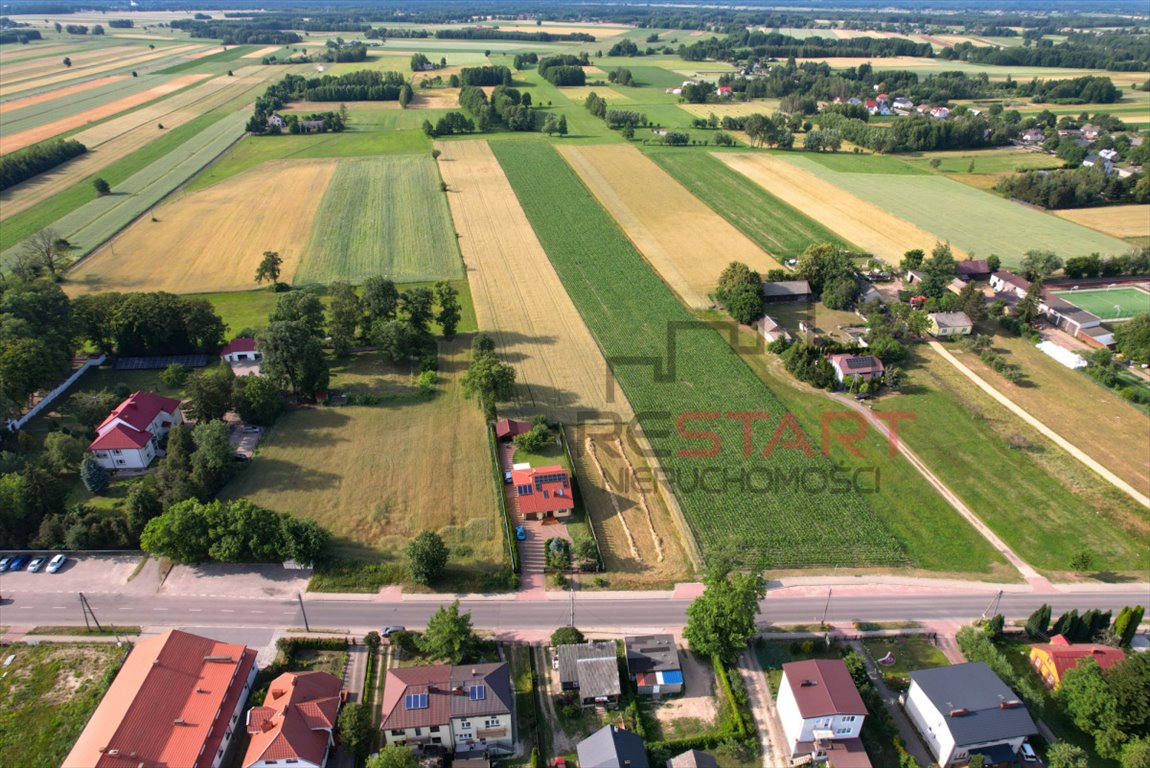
(601, 565)
(508, 524)
(17, 424)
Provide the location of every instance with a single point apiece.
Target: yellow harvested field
(592, 71)
(438, 98)
(28, 84)
(71, 90)
(579, 93)
(202, 54)
(686, 242)
(42, 132)
(734, 108)
(519, 299)
(116, 138)
(1114, 220)
(327, 106)
(39, 66)
(213, 239)
(865, 224)
(598, 30)
(260, 53)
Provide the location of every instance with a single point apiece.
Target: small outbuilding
(973, 269)
(592, 669)
(240, 351)
(653, 663)
(784, 291)
(943, 324)
(507, 429)
(693, 758)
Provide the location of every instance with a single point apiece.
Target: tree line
(564, 70)
(1075, 187)
(507, 106)
(1113, 52)
(236, 32)
(25, 163)
(754, 43)
(362, 85)
(513, 34)
(487, 75)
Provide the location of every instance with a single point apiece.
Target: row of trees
(1075, 188)
(487, 379)
(506, 105)
(565, 69)
(486, 75)
(25, 163)
(362, 85)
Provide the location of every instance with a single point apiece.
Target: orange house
(1052, 660)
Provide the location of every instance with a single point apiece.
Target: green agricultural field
(778, 228)
(89, 226)
(1000, 160)
(975, 221)
(756, 505)
(382, 216)
(1112, 304)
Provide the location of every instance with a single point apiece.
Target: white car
(36, 564)
(56, 563)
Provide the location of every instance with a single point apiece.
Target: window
(465, 725)
(841, 731)
(848, 718)
(116, 452)
(397, 732)
(479, 692)
(434, 729)
(436, 740)
(418, 731)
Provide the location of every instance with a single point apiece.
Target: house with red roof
(130, 436)
(296, 723)
(822, 713)
(543, 492)
(864, 367)
(240, 351)
(176, 702)
(463, 710)
(508, 429)
(1052, 660)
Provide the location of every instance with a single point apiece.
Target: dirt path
(772, 742)
(1057, 439)
(909, 735)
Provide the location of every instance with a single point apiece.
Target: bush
(567, 636)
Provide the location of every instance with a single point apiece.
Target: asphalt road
(27, 609)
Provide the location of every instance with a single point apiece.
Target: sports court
(1117, 303)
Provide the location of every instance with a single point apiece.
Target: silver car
(36, 564)
(56, 563)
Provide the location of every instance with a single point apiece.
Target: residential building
(973, 269)
(693, 758)
(1052, 660)
(508, 429)
(129, 438)
(770, 330)
(296, 723)
(1033, 136)
(822, 713)
(543, 492)
(176, 701)
(276, 121)
(653, 663)
(860, 367)
(944, 324)
(462, 709)
(1098, 161)
(786, 290)
(964, 710)
(1004, 281)
(240, 351)
(592, 669)
(612, 747)
(725, 92)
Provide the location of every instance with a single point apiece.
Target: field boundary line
(1058, 440)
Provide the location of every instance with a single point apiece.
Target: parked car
(56, 563)
(389, 631)
(36, 564)
(252, 428)
(4, 563)
(18, 563)
(507, 478)
(520, 534)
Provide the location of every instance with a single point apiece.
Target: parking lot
(81, 573)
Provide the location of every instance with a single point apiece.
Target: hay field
(519, 299)
(855, 220)
(56, 127)
(27, 84)
(212, 240)
(1113, 220)
(970, 219)
(50, 61)
(734, 108)
(432, 472)
(686, 242)
(259, 53)
(439, 98)
(579, 93)
(7, 107)
(381, 216)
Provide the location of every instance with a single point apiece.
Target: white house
(770, 330)
(964, 710)
(822, 713)
(458, 709)
(276, 121)
(130, 436)
(863, 367)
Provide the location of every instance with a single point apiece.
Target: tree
(211, 461)
(1066, 755)
(550, 125)
(380, 299)
(426, 558)
(210, 392)
(721, 622)
(567, 636)
(395, 756)
(1038, 623)
(993, 263)
(449, 309)
(912, 260)
(142, 504)
(938, 271)
(94, 476)
(972, 302)
(1039, 265)
(1136, 753)
(45, 251)
(293, 355)
(257, 400)
(1082, 560)
(269, 267)
(302, 307)
(344, 316)
(976, 761)
(740, 291)
(1126, 625)
(103, 188)
(355, 731)
(448, 635)
(1132, 338)
(1087, 699)
(62, 452)
(489, 381)
(1027, 309)
(562, 125)
(396, 340)
(27, 365)
(174, 376)
(416, 304)
(67, 61)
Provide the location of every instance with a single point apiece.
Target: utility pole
(572, 622)
(826, 609)
(992, 608)
(306, 626)
(88, 610)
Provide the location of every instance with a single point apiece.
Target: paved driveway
(83, 573)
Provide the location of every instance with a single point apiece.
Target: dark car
(240, 457)
(18, 563)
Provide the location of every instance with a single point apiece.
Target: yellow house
(1052, 660)
(950, 324)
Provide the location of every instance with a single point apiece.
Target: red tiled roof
(446, 689)
(296, 720)
(542, 489)
(238, 345)
(169, 706)
(841, 753)
(1066, 656)
(120, 437)
(511, 428)
(856, 365)
(140, 409)
(823, 687)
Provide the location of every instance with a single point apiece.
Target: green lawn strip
(548, 455)
(43, 714)
(91, 225)
(773, 654)
(963, 436)
(32, 220)
(985, 161)
(754, 501)
(382, 216)
(107, 630)
(846, 162)
(778, 228)
(910, 652)
(231, 54)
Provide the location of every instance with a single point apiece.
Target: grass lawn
(911, 652)
(993, 162)
(778, 228)
(773, 654)
(107, 630)
(550, 454)
(960, 432)
(49, 692)
(318, 660)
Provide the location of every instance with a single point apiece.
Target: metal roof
(651, 653)
(983, 707)
(569, 655)
(612, 747)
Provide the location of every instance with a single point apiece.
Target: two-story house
(296, 723)
(130, 436)
(461, 710)
(822, 713)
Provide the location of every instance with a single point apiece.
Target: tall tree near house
(269, 267)
(426, 557)
(343, 318)
(938, 271)
(417, 304)
(1039, 265)
(210, 392)
(293, 355)
(972, 302)
(487, 379)
(448, 635)
(380, 300)
(1027, 309)
(449, 309)
(303, 307)
(721, 621)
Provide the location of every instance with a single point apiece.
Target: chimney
(959, 712)
(1012, 704)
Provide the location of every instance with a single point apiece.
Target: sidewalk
(772, 743)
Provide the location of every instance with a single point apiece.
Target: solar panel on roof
(859, 362)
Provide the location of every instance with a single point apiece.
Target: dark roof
(569, 655)
(786, 288)
(823, 687)
(976, 695)
(1068, 310)
(651, 653)
(418, 696)
(612, 747)
(1010, 278)
(972, 267)
(693, 759)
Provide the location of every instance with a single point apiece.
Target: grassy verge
(232, 54)
(910, 652)
(109, 630)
